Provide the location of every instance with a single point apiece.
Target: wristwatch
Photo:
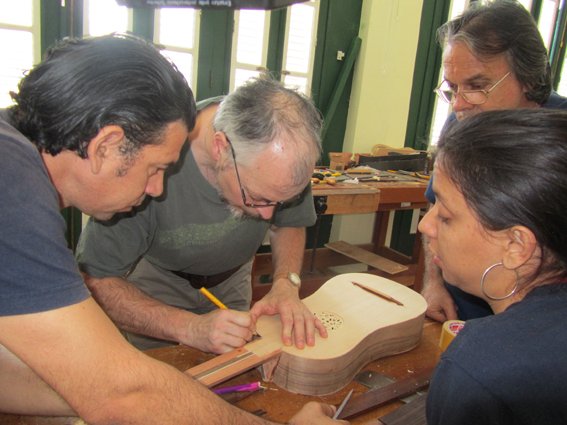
(294, 279)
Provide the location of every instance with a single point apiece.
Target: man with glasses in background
(493, 58)
(246, 172)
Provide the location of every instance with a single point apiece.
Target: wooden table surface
(279, 405)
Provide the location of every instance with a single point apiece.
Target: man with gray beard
(246, 172)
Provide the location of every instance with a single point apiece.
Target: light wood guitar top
(362, 327)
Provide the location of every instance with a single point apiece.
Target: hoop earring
(482, 279)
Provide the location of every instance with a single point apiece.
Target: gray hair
(262, 111)
(504, 27)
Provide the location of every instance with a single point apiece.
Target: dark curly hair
(83, 85)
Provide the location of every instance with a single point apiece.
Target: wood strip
(343, 189)
(412, 413)
(378, 396)
(228, 365)
(366, 257)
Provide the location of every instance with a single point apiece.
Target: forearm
(288, 247)
(134, 311)
(179, 399)
(78, 352)
(22, 391)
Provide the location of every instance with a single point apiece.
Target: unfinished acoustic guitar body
(362, 327)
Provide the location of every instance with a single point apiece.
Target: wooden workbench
(345, 198)
(381, 198)
(279, 405)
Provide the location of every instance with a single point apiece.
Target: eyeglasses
(474, 97)
(244, 200)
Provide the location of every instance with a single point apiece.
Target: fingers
(286, 318)
(321, 328)
(314, 412)
(436, 314)
(451, 311)
(221, 331)
(299, 328)
(299, 325)
(440, 304)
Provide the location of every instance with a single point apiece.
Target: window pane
(104, 17)
(16, 13)
(17, 53)
(300, 39)
(546, 21)
(183, 62)
(297, 83)
(441, 110)
(241, 75)
(457, 7)
(562, 88)
(176, 27)
(250, 40)
(527, 4)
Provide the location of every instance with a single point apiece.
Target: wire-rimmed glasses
(474, 97)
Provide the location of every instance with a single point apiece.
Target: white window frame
(309, 74)
(193, 50)
(234, 64)
(34, 29)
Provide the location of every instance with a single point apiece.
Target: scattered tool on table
(325, 176)
(376, 397)
(411, 173)
(251, 387)
(378, 293)
(342, 405)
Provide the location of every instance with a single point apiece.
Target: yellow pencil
(212, 298)
(220, 305)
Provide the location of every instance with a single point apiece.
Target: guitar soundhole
(331, 321)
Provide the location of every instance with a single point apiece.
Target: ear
(219, 146)
(520, 246)
(102, 145)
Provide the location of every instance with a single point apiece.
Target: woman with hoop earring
(498, 231)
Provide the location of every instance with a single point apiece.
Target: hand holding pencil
(220, 330)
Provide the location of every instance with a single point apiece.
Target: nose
(266, 212)
(154, 187)
(427, 224)
(460, 104)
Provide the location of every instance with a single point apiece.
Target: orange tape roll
(449, 331)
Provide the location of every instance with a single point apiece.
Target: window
(300, 46)
(177, 29)
(250, 45)
(105, 16)
(20, 43)
(441, 110)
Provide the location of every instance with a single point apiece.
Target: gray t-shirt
(189, 228)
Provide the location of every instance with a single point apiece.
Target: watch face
(295, 279)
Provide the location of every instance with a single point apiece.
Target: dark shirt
(508, 368)
(39, 272)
